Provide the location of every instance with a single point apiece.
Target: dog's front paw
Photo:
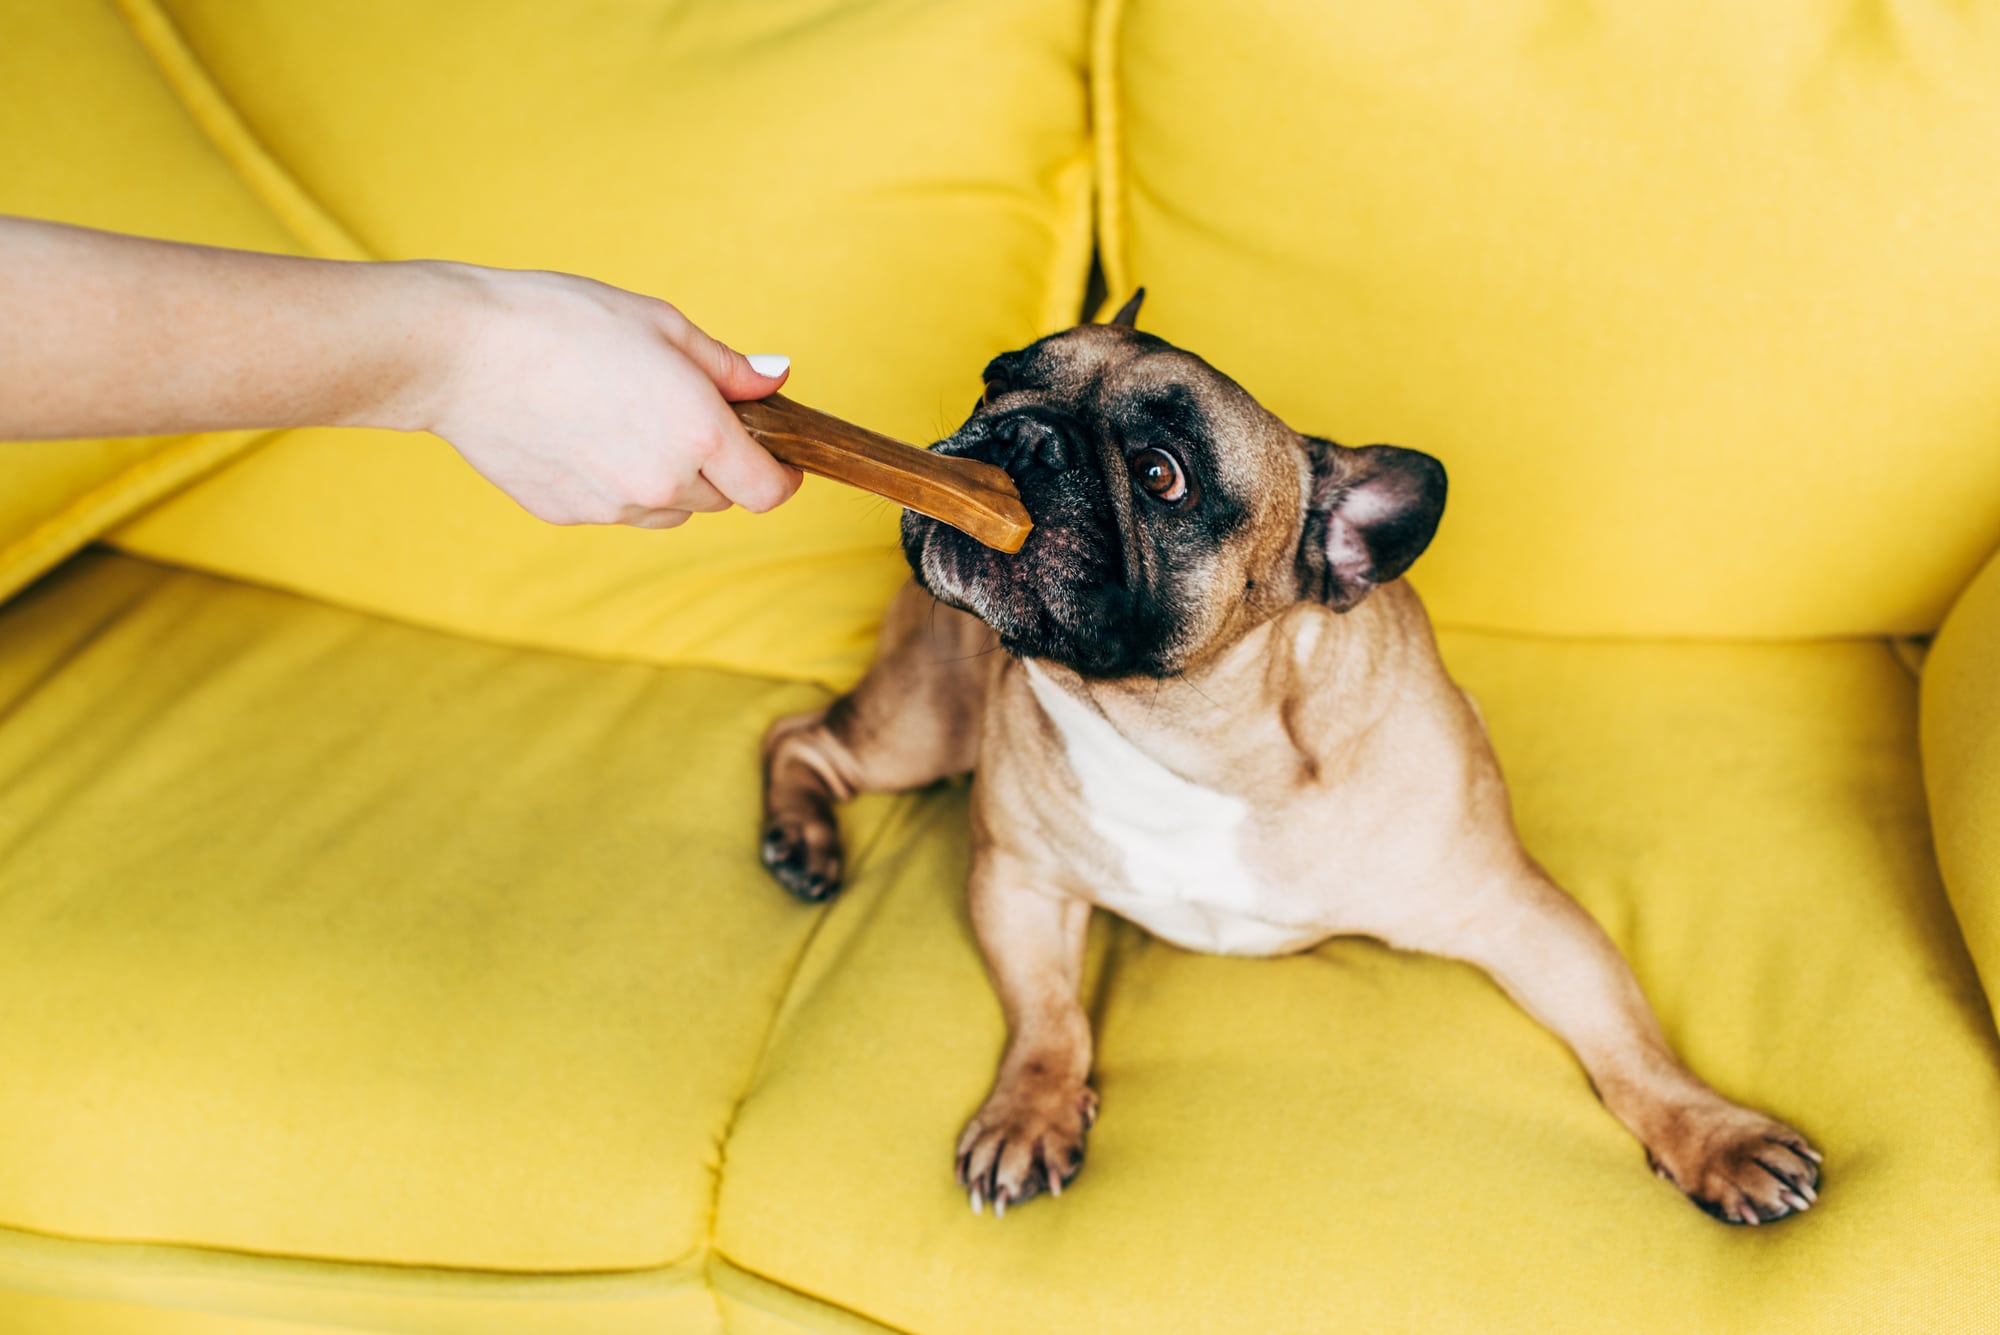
(1738, 1165)
(1026, 1139)
(803, 854)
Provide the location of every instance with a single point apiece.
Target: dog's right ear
(1128, 314)
(1371, 514)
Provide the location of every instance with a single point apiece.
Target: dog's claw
(1026, 1141)
(1737, 1164)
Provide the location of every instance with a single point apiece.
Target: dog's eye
(994, 389)
(1159, 474)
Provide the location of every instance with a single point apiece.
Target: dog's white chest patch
(1177, 843)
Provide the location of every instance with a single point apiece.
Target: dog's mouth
(1037, 598)
(1065, 595)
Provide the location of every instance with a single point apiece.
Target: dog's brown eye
(1159, 473)
(994, 389)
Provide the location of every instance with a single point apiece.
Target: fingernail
(769, 363)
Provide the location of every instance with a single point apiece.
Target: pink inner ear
(1346, 554)
(1372, 502)
(1375, 500)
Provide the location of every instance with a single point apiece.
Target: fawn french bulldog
(1220, 714)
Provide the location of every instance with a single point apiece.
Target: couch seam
(1069, 261)
(1106, 127)
(717, 1255)
(326, 1274)
(76, 649)
(1678, 639)
(727, 1131)
(260, 171)
(117, 498)
(707, 1248)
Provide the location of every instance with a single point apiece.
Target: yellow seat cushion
(331, 938)
(888, 193)
(333, 943)
(1695, 300)
(1355, 1139)
(101, 130)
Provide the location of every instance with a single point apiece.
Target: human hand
(589, 404)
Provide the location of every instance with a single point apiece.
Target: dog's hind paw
(804, 857)
(1739, 1166)
(1026, 1140)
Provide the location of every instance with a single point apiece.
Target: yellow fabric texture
(411, 949)
(455, 957)
(728, 157)
(1961, 744)
(1696, 301)
(130, 1289)
(1355, 1139)
(367, 977)
(97, 131)
(70, 1316)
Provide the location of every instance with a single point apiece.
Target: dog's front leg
(912, 720)
(1555, 961)
(1028, 1136)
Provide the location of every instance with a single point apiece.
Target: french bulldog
(1220, 713)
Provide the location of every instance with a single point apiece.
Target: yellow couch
(382, 942)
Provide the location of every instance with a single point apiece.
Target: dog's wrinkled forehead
(1142, 387)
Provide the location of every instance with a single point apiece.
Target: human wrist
(432, 322)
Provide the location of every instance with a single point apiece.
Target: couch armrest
(1961, 755)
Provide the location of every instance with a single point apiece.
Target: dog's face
(1172, 512)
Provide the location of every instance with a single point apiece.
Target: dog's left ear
(1371, 514)
(1128, 314)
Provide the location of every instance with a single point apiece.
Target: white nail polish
(769, 363)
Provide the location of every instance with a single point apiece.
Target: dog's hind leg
(912, 720)
(1740, 1165)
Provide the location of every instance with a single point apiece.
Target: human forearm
(584, 402)
(102, 335)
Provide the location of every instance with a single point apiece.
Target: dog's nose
(1030, 441)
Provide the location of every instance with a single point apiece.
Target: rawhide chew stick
(975, 498)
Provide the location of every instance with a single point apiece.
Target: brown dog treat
(976, 498)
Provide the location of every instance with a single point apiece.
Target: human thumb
(738, 377)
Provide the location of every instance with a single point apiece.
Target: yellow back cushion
(888, 193)
(1961, 749)
(1699, 302)
(100, 124)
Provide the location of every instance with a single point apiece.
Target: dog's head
(1172, 512)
